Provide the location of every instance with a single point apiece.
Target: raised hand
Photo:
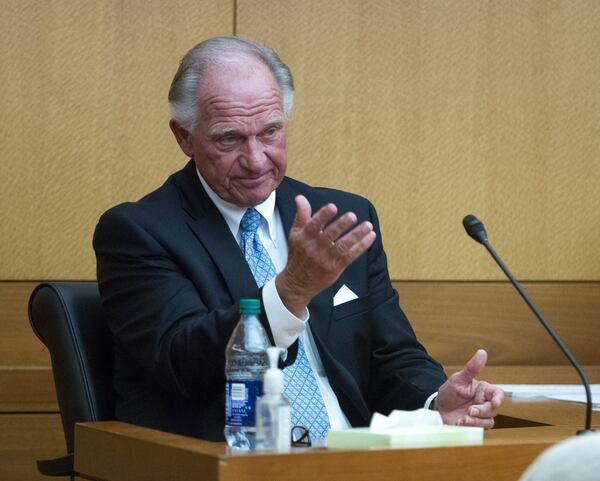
(464, 400)
(319, 251)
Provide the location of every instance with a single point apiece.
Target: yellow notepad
(405, 437)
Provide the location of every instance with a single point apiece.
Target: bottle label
(240, 402)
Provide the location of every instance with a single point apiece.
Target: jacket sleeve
(402, 374)
(154, 310)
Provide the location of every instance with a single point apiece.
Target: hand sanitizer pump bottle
(273, 413)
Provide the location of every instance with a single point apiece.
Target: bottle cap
(273, 382)
(249, 306)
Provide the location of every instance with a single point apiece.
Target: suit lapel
(285, 205)
(212, 231)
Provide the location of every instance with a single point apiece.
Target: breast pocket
(351, 308)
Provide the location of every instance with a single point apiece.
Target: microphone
(476, 230)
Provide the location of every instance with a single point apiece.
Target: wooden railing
(452, 319)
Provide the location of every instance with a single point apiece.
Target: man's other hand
(319, 251)
(465, 401)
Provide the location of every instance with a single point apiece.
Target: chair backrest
(68, 319)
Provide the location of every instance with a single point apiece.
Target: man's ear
(183, 137)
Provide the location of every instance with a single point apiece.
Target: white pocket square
(343, 295)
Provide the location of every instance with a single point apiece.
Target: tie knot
(250, 221)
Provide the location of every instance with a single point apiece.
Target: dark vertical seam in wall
(235, 17)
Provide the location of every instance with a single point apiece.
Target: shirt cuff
(284, 325)
(430, 400)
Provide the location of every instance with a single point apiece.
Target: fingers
(348, 242)
(473, 367)
(303, 211)
(496, 395)
(356, 242)
(466, 401)
(314, 225)
(485, 423)
(319, 250)
(489, 409)
(336, 229)
(476, 364)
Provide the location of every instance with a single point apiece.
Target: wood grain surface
(430, 110)
(113, 450)
(84, 118)
(434, 110)
(25, 438)
(452, 319)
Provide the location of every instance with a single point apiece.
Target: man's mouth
(250, 182)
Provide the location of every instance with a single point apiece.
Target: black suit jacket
(171, 275)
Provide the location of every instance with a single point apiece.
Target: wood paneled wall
(431, 109)
(437, 109)
(452, 319)
(83, 125)
(84, 118)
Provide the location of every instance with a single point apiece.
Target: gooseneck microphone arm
(476, 230)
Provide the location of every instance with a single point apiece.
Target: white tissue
(405, 429)
(405, 419)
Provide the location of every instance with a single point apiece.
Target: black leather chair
(68, 319)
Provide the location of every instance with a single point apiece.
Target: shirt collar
(233, 214)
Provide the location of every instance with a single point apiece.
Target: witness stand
(115, 451)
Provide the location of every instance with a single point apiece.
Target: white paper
(561, 392)
(406, 419)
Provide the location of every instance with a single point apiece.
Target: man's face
(239, 144)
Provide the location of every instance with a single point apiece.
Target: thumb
(303, 211)
(473, 367)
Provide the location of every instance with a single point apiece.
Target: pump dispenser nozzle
(273, 381)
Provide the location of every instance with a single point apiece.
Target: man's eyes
(270, 132)
(229, 140)
(232, 140)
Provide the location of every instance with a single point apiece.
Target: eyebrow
(275, 121)
(222, 131)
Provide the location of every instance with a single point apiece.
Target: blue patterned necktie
(255, 253)
(301, 387)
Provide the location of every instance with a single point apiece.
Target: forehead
(243, 86)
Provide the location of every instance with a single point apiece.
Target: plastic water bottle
(246, 362)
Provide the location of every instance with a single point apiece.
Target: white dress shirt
(284, 325)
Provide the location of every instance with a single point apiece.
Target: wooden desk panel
(534, 374)
(114, 451)
(453, 319)
(25, 438)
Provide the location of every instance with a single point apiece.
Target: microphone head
(475, 228)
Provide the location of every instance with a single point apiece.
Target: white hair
(575, 459)
(183, 94)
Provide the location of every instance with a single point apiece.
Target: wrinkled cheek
(282, 144)
(278, 154)
(223, 166)
(282, 162)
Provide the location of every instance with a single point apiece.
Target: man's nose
(253, 152)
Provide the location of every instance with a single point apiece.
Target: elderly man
(173, 266)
